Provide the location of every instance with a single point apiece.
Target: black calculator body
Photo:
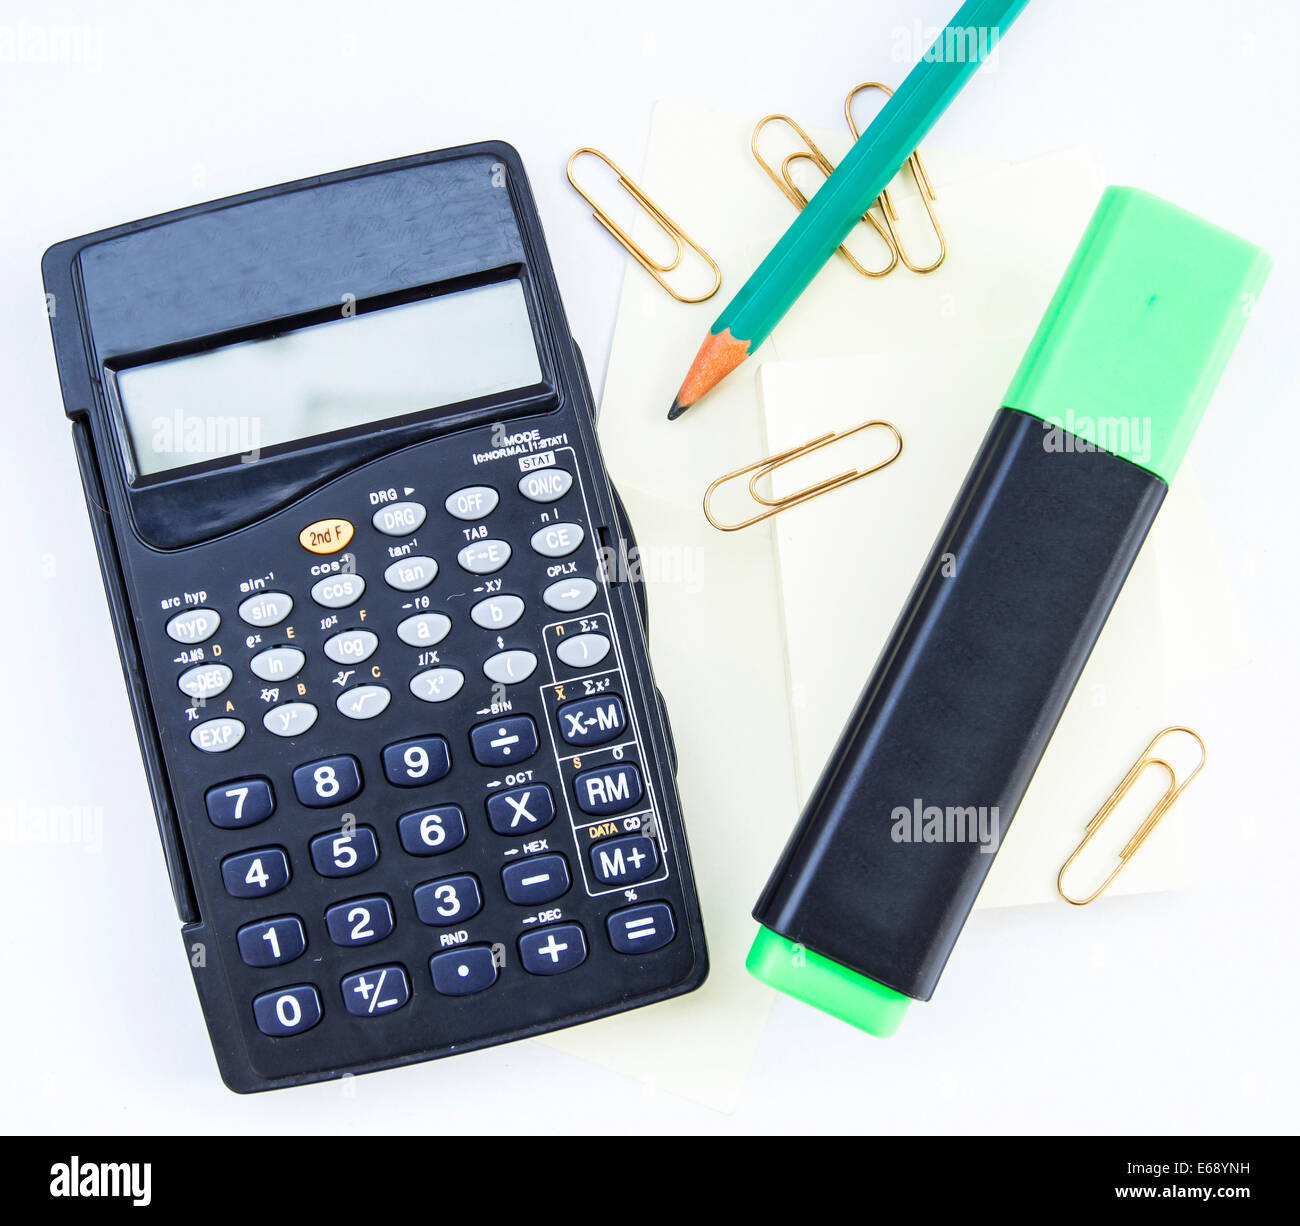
(376, 608)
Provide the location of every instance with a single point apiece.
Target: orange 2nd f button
(325, 535)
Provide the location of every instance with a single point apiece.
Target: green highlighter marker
(864, 906)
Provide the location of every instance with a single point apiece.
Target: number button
(363, 921)
(553, 950)
(505, 741)
(245, 802)
(537, 879)
(398, 518)
(557, 540)
(545, 485)
(460, 972)
(607, 790)
(381, 989)
(430, 832)
(624, 860)
(521, 810)
(340, 854)
(194, 625)
(410, 764)
(272, 942)
(351, 646)
(266, 608)
(252, 874)
(331, 781)
(338, 591)
(473, 502)
(287, 1010)
(205, 681)
(592, 721)
(449, 900)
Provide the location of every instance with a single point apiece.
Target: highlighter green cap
(1055, 508)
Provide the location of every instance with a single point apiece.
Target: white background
(1163, 1013)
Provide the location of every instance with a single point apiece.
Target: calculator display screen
(240, 398)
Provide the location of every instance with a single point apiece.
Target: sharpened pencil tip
(677, 410)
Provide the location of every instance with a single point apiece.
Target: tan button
(325, 535)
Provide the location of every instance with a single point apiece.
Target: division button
(536, 880)
(508, 667)
(382, 989)
(583, 650)
(592, 721)
(271, 942)
(277, 663)
(641, 929)
(473, 502)
(217, 735)
(449, 900)
(325, 535)
(424, 629)
(287, 1010)
(570, 595)
(484, 557)
(497, 612)
(411, 574)
(557, 540)
(290, 719)
(437, 684)
(521, 810)
(266, 608)
(240, 803)
(460, 972)
(627, 859)
(398, 518)
(553, 950)
(504, 742)
(253, 874)
(194, 625)
(608, 789)
(363, 701)
(545, 485)
(204, 680)
(351, 646)
(338, 591)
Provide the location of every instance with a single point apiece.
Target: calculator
(379, 615)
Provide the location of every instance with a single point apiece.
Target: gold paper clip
(922, 184)
(793, 193)
(1162, 806)
(769, 464)
(680, 239)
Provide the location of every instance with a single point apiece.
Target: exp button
(325, 535)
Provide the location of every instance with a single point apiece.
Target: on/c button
(325, 535)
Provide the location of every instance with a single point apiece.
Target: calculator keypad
(439, 699)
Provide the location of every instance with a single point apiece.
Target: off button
(325, 536)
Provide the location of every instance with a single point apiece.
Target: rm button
(325, 536)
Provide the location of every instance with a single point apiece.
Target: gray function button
(497, 612)
(194, 625)
(411, 574)
(484, 557)
(473, 502)
(424, 629)
(338, 591)
(557, 540)
(398, 518)
(583, 650)
(266, 608)
(363, 701)
(277, 663)
(437, 684)
(217, 735)
(204, 680)
(351, 646)
(507, 667)
(545, 485)
(570, 595)
(289, 719)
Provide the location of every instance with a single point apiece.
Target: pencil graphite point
(720, 354)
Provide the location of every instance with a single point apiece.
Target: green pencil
(838, 204)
